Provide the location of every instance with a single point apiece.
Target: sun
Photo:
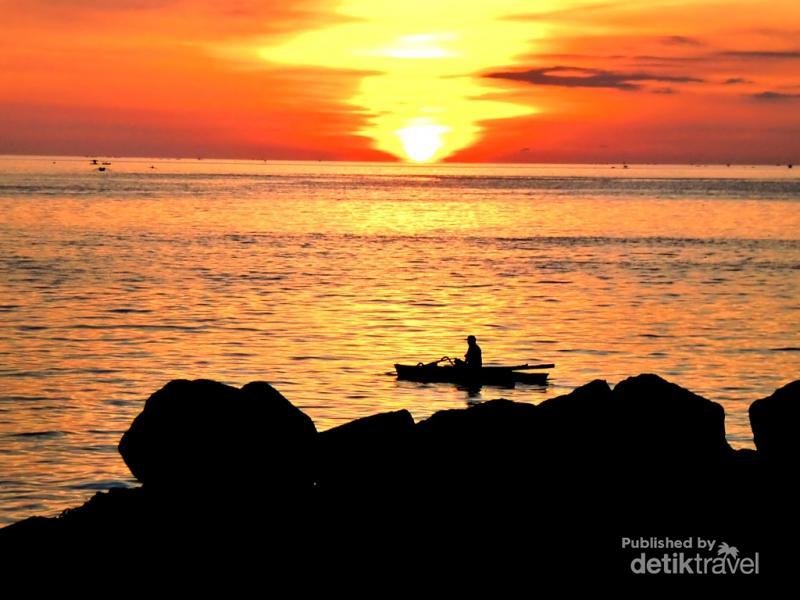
(422, 94)
(422, 140)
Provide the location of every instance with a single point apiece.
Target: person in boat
(473, 359)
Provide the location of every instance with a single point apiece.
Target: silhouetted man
(473, 358)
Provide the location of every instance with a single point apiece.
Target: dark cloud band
(579, 77)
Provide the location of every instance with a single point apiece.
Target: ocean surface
(318, 276)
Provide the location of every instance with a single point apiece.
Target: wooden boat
(499, 376)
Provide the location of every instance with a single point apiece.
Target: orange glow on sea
(317, 277)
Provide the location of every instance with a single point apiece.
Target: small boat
(489, 375)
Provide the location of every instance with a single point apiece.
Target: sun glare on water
(422, 89)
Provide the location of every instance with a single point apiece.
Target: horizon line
(445, 162)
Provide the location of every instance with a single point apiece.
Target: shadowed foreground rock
(774, 421)
(664, 426)
(521, 486)
(368, 455)
(204, 431)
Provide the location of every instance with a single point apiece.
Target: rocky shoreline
(544, 488)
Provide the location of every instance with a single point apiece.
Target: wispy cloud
(665, 60)
(772, 96)
(579, 77)
(762, 54)
(681, 40)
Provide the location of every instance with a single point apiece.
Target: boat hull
(498, 376)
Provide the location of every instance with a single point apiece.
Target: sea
(319, 276)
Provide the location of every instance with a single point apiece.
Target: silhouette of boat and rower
(471, 372)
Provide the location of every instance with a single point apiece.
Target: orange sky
(507, 80)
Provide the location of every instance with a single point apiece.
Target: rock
(489, 427)
(113, 514)
(646, 434)
(774, 421)
(746, 458)
(644, 428)
(29, 532)
(573, 427)
(659, 425)
(366, 455)
(206, 435)
(580, 470)
(477, 451)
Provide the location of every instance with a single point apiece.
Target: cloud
(681, 40)
(771, 96)
(573, 13)
(736, 81)
(578, 77)
(762, 54)
(663, 60)
(183, 20)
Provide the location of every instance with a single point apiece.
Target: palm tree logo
(725, 550)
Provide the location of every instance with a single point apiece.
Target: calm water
(317, 277)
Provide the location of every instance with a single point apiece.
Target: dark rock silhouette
(202, 432)
(519, 485)
(646, 428)
(122, 514)
(467, 453)
(369, 454)
(666, 426)
(574, 429)
(774, 421)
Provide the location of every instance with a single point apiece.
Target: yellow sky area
(421, 95)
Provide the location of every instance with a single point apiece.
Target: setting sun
(419, 91)
(421, 141)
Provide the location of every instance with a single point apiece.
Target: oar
(526, 367)
(436, 362)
